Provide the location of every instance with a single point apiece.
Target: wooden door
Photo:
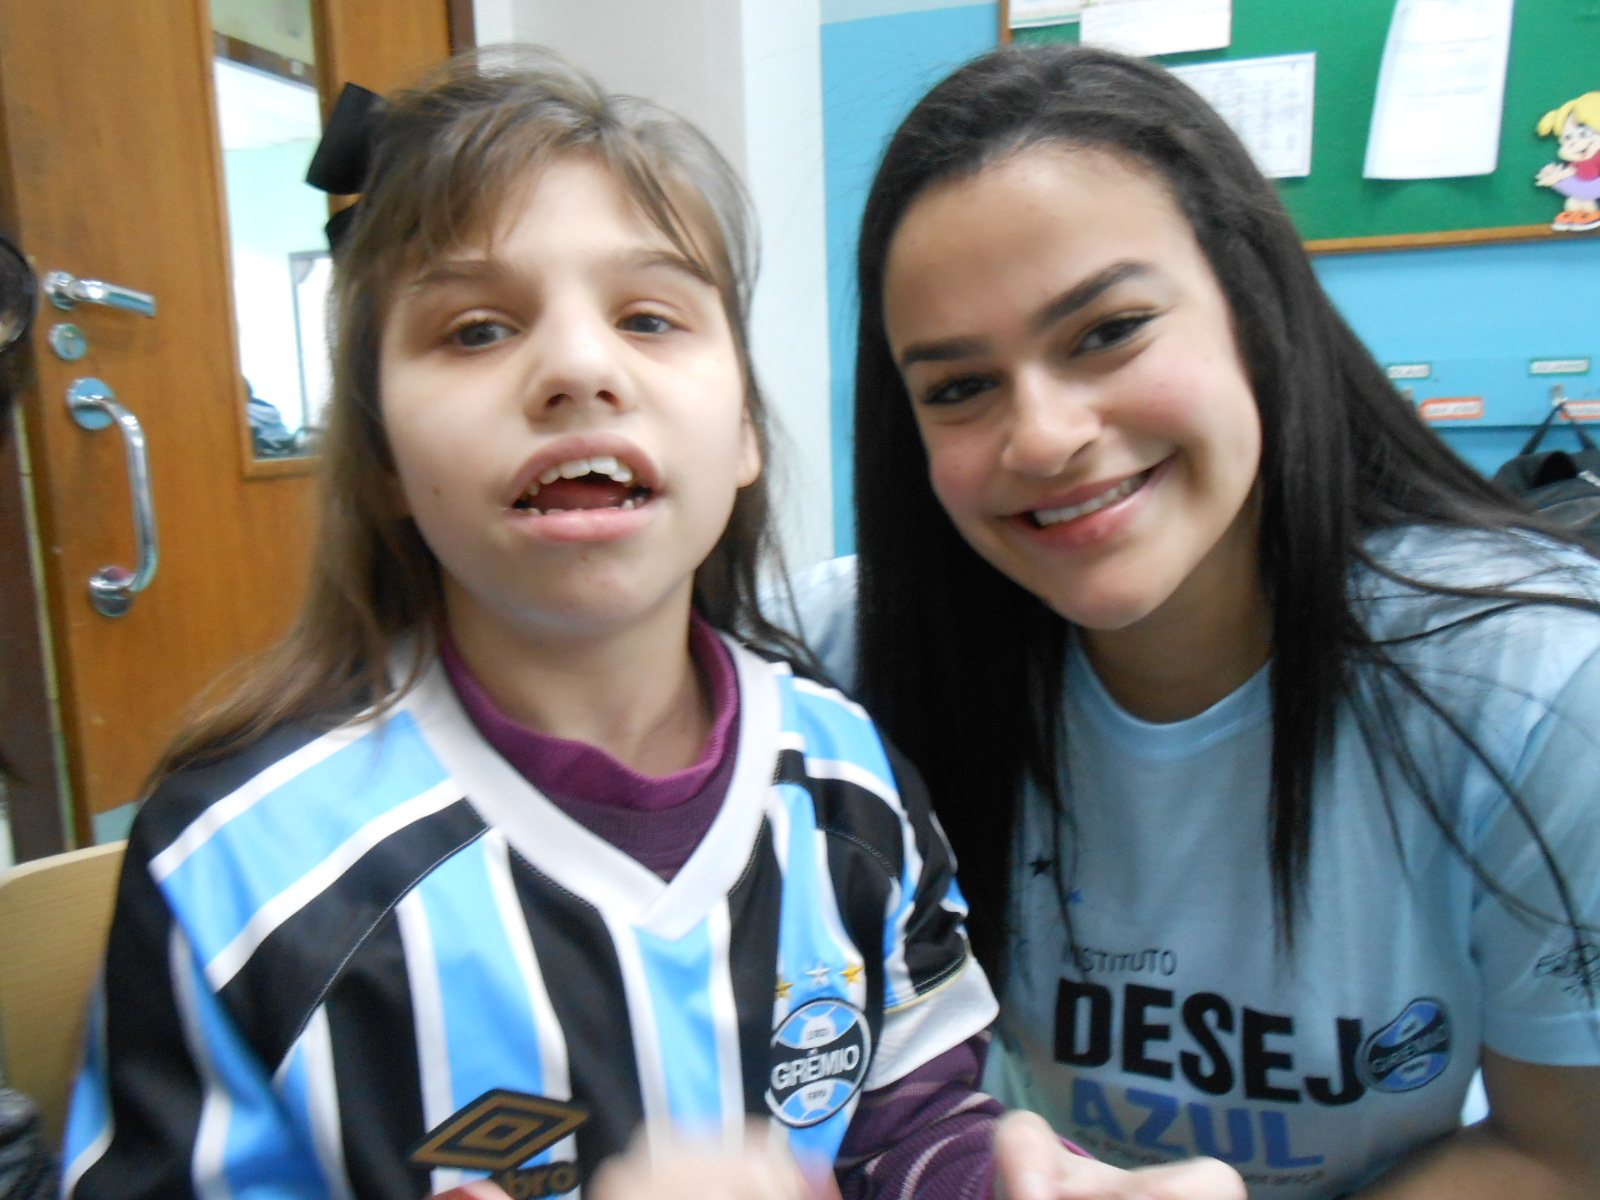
(110, 169)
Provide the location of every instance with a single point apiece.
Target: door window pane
(270, 118)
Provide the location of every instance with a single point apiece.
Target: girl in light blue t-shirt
(1264, 729)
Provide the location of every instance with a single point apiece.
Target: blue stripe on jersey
(832, 730)
(259, 1150)
(681, 988)
(89, 1112)
(492, 1038)
(804, 947)
(276, 841)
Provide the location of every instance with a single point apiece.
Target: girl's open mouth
(583, 485)
(1043, 518)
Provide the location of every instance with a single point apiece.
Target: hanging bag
(1562, 486)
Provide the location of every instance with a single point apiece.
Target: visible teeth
(631, 502)
(1054, 516)
(577, 468)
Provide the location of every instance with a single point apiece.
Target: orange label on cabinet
(1453, 408)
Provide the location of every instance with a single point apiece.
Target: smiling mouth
(583, 485)
(1045, 517)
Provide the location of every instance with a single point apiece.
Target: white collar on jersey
(625, 891)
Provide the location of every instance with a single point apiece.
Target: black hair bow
(344, 156)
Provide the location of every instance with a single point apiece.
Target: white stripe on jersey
(322, 1102)
(208, 1168)
(646, 1039)
(206, 825)
(898, 986)
(553, 1061)
(231, 958)
(427, 1006)
(581, 861)
(916, 1033)
(899, 989)
(849, 772)
(91, 1155)
(725, 1014)
(829, 904)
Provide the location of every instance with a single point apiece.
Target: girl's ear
(749, 452)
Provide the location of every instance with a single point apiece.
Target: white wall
(749, 73)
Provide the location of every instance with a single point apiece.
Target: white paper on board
(1024, 13)
(1441, 90)
(1147, 27)
(1270, 104)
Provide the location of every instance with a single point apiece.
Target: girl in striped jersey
(515, 859)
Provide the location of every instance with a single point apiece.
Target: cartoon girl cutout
(1577, 176)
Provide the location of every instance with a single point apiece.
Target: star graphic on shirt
(1041, 864)
(819, 975)
(1074, 897)
(784, 988)
(853, 973)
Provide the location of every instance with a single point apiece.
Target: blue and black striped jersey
(376, 962)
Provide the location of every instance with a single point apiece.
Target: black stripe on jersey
(274, 993)
(865, 859)
(147, 1055)
(935, 946)
(584, 979)
(755, 908)
(373, 1030)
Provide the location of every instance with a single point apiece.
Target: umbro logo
(501, 1130)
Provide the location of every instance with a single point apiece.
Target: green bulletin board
(1555, 57)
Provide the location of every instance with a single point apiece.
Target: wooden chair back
(54, 915)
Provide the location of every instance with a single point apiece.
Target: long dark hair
(447, 156)
(962, 665)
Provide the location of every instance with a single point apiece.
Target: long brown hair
(447, 155)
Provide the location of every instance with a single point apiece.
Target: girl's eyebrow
(1078, 296)
(646, 260)
(474, 270)
(456, 270)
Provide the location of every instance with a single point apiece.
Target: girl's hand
(1032, 1164)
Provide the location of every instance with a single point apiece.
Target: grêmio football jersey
(376, 962)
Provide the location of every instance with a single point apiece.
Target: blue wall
(1477, 314)
(874, 68)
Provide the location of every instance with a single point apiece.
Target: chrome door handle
(93, 405)
(68, 291)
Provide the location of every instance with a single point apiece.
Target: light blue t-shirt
(1177, 1027)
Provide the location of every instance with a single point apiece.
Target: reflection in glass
(270, 120)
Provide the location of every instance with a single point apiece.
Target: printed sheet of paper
(1440, 91)
(1269, 103)
(1147, 27)
(1024, 13)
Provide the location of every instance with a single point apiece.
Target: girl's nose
(575, 362)
(1049, 423)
